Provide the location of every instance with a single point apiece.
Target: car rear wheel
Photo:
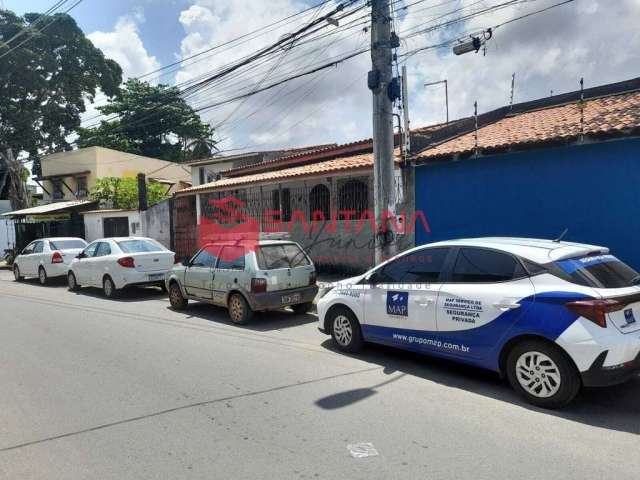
(108, 287)
(42, 276)
(301, 308)
(345, 330)
(239, 309)
(542, 374)
(16, 274)
(176, 299)
(72, 282)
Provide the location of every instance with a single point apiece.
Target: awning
(63, 175)
(48, 209)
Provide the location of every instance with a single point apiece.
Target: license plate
(156, 276)
(293, 298)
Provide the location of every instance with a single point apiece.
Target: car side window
(207, 257)
(476, 265)
(423, 266)
(90, 251)
(38, 247)
(28, 250)
(103, 249)
(231, 258)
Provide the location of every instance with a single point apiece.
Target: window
(476, 265)
(67, 244)
(232, 258)
(207, 257)
(599, 271)
(286, 255)
(423, 266)
(140, 245)
(38, 247)
(103, 249)
(57, 189)
(28, 250)
(81, 187)
(90, 251)
(319, 203)
(282, 205)
(354, 196)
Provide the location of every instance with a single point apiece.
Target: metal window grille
(319, 202)
(354, 195)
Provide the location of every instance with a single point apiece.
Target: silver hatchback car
(245, 277)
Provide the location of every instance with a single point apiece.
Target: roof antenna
(562, 235)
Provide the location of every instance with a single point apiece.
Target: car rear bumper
(56, 269)
(600, 376)
(130, 278)
(272, 300)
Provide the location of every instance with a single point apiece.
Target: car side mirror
(373, 278)
(185, 261)
(81, 255)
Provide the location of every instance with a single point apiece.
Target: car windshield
(287, 255)
(599, 271)
(66, 244)
(140, 246)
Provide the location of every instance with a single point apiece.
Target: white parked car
(115, 263)
(550, 316)
(47, 258)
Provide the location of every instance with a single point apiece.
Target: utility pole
(379, 79)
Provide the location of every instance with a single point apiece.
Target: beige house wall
(104, 162)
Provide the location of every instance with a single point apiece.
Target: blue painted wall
(593, 190)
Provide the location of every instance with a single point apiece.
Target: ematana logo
(398, 303)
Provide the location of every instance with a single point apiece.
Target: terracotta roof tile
(607, 115)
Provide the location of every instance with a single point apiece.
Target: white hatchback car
(47, 258)
(116, 263)
(550, 316)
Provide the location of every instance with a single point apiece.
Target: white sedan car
(47, 258)
(119, 262)
(550, 316)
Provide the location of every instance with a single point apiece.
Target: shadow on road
(261, 321)
(614, 408)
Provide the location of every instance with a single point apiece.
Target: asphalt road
(129, 389)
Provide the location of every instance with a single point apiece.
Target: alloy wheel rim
(16, 273)
(175, 295)
(108, 288)
(42, 276)
(342, 330)
(538, 375)
(72, 281)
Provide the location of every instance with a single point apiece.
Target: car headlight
(324, 291)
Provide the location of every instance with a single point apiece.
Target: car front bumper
(600, 376)
(273, 300)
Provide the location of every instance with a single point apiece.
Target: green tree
(151, 120)
(123, 192)
(45, 81)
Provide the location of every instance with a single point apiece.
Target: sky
(595, 39)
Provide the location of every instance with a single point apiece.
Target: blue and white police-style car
(550, 316)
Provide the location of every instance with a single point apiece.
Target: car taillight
(258, 285)
(57, 258)
(595, 310)
(126, 262)
(313, 278)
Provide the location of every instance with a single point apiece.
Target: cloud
(125, 46)
(597, 39)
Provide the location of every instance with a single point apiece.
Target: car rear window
(140, 246)
(288, 255)
(66, 244)
(599, 271)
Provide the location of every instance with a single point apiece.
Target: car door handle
(506, 306)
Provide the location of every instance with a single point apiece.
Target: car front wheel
(72, 282)
(16, 274)
(239, 309)
(542, 374)
(176, 299)
(345, 330)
